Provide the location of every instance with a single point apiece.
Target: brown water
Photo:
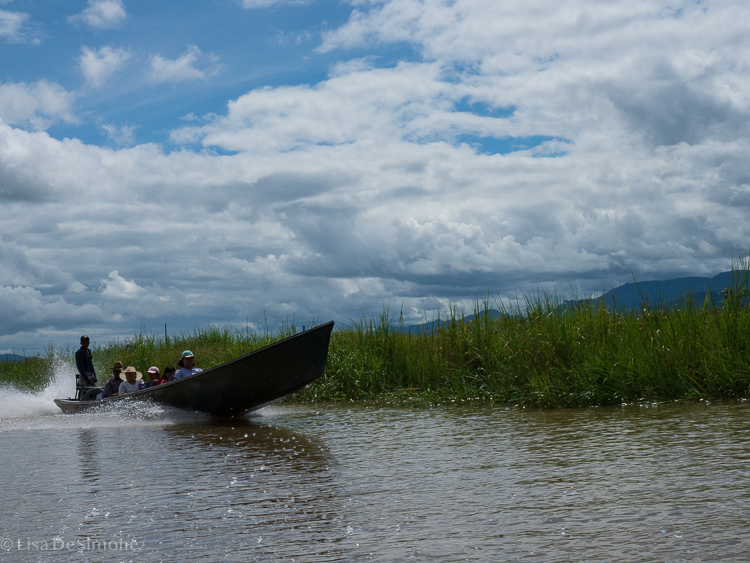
(329, 483)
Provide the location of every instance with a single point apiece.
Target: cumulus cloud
(182, 68)
(23, 276)
(21, 268)
(11, 24)
(20, 183)
(118, 287)
(121, 136)
(569, 57)
(38, 105)
(411, 101)
(17, 27)
(101, 14)
(26, 308)
(98, 66)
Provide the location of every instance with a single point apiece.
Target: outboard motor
(84, 391)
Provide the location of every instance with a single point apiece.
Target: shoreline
(544, 356)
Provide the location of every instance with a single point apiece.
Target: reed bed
(545, 356)
(211, 345)
(31, 374)
(539, 353)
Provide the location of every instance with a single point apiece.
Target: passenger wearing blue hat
(186, 363)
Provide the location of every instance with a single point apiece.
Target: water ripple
(663, 483)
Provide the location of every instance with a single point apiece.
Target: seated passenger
(154, 376)
(168, 375)
(112, 386)
(186, 366)
(131, 383)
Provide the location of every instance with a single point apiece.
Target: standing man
(85, 363)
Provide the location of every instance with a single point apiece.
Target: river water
(344, 483)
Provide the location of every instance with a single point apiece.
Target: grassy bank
(546, 358)
(30, 374)
(539, 354)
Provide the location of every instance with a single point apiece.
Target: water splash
(23, 410)
(15, 403)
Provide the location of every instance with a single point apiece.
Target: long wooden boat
(241, 385)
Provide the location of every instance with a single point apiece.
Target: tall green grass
(31, 374)
(537, 353)
(211, 346)
(544, 355)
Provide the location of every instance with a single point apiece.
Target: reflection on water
(640, 483)
(87, 455)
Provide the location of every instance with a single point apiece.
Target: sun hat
(131, 369)
(154, 370)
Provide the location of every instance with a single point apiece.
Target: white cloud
(182, 68)
(120, 288)
(121, 136)
(18, 267)
(25, 308)
(186, 135)
(23, 274)
(98, 66)
(101, 14)
(37, 105)
(11, 23)
(357, 102)
(12, 26)
(292, 38)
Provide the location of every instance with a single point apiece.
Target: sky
(241, 162)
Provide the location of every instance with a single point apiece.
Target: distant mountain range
(11, 358)
(655, 293)
(665, 293)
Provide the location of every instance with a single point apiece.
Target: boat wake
(23, 410)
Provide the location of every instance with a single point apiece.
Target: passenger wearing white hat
(132, 382)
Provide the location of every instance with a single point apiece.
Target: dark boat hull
(240, 385)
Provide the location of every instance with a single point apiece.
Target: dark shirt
(85, 364)
(112, 386)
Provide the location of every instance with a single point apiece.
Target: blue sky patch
(483, 108)
(506, 145)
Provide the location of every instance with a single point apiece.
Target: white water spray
(15, 403)
(23, 410)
